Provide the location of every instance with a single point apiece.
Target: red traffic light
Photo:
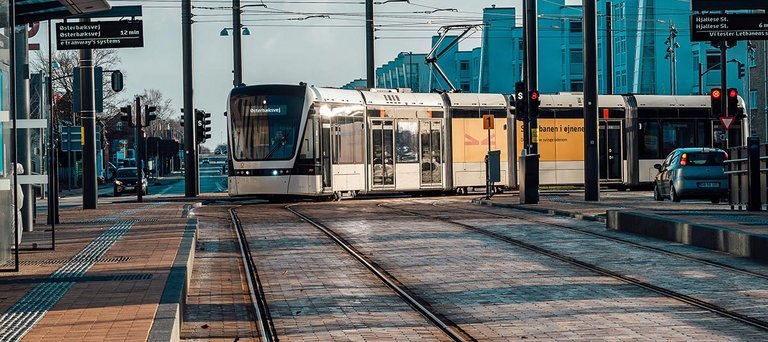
(534, 95)
(733, 93)
(716, 93)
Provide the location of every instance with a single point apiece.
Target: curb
(734, 242)
(557, 212)
(168, 318)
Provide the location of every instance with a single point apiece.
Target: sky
(284, 46)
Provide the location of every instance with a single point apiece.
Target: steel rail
(760, 324)
(448, 328)
(625, 242)
(267, 331)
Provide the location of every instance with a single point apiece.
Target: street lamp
(225, 31)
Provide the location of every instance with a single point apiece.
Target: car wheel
(673, 194)
(715, 200)
(657, 193)
(118, 194)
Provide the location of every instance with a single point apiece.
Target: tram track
(265, 324)
(450, 329)
(757, 323)
(618, 240)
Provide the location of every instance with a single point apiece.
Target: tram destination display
(724, 27)
(723, 5)
(99, 35)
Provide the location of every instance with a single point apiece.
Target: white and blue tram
(299, 140)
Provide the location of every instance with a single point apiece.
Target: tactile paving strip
(23, 315)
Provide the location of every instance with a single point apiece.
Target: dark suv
(692, 173)
(125, 181)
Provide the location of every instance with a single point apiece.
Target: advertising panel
(559, 139)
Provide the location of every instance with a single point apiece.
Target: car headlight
(117, 182)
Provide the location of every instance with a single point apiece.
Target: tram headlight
(274, 173)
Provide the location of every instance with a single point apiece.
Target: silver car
(692, 173)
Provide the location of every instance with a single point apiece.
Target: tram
(300, 140)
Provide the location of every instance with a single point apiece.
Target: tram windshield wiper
(281, 143)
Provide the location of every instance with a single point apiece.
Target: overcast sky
(280, 49)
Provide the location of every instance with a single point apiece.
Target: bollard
(529, 179)
(754, 202)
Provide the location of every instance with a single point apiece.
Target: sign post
(488, 121)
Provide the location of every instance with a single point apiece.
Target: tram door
(610, 150)
(325, 145)
(430, 141)
(382, 153)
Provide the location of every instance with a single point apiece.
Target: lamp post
(369, 38)
(237, 39)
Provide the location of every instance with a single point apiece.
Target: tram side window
(406, 138)
(649, 140)
(349, 140)
(307, 151)
(677, 134)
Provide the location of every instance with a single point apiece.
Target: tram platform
(117, 273)
(697, 223)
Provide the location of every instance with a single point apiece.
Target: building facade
(758, 90)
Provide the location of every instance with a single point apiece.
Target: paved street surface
(485, 272)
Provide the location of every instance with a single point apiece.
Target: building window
(465, 87)
(753, 99)
(464, 65)
(713, 62)
(752, 62)
(119, 126)
(577, 85)
(575, 26)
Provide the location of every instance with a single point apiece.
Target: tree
(63, 81)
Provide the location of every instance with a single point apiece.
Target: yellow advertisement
(470, 140)
(559, 139)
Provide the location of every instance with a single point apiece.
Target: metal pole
(12, 85)
(23, 141)
(69, 157)
(88, 120)
(532, 66)
(53, 192)
(609, 47)
(724, 85)
(139, 151)
(237, 36)
(190, 153)
(369, 37)
(591, 157)
(701, 80)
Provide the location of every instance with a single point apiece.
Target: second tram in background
(320, 142)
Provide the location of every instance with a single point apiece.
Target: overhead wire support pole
(190, 152)
(237, 36)
(591, 157)
(369, 45)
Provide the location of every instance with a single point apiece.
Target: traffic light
(150, 115)
(520, 102)
(534, 101)
(742, 72)
(716, 99)
(733, 102)
(127, 115)
(117, 81)
(206, 126)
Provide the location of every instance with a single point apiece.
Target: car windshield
(705, 159)
(126, 173)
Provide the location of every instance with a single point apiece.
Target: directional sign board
(99, 35)
(722, 27)
(727, 122)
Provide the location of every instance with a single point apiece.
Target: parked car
(126, 181)
(692, 173)
(206, 161)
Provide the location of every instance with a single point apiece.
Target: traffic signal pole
(724, 86)
(139, 151)
(88, 121)
(369, 41)
(529, 161)
(190, 152)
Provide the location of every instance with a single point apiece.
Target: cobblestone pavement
(496, 291)
(218, 300)
(316, 292)
(104, 281)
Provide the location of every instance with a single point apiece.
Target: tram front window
(266, 127)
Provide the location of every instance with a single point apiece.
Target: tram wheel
(715, 200)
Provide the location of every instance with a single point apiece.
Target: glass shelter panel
(7, 185)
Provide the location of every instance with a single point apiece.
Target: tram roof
(337, 95)
(476, 100)
(669, 101)
(402, 99)
(566, 100)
